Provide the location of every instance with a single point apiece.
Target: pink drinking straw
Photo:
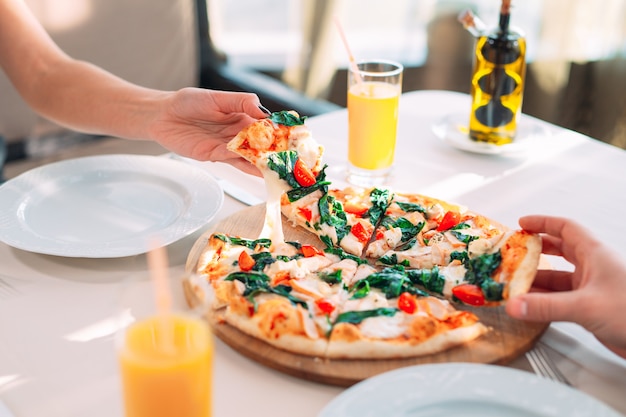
(353, 66)
(157, 265)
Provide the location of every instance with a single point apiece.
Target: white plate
(462, 389)
(106, 206)
(453, 130)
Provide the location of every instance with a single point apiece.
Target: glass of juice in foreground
(373, 98)
(166, 366)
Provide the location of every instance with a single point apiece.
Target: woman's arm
(192, 122)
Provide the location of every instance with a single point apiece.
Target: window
(270, 34)
(576, 49)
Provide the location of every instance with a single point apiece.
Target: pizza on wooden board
(386, 272)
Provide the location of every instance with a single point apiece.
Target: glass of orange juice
(373, 99)
(165, 364)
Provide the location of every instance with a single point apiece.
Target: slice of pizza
(415, 220)
(483, 271)
(465, 256)
(386, 315)
(283, 296)
(282, 131)
(298, 298)
(290, 160)
(341, 218)
(408, 326)
(268, 294)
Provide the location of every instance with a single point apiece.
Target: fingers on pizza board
(506, 340)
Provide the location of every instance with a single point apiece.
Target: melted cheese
(454, 275)
(326, 230)
(300, 140)
(311, 287)
(347, 266)
(362, 271)
(391, 238)
(373, 301)
(308, 324)
(273, 224)
(418, 256)
(481, 246)
(299, 268)
(351, 244)
(384, 327)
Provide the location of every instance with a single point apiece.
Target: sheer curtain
(580, 65)
(311, 71)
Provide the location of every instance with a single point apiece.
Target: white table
(56, 346)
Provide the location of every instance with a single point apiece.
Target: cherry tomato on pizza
(306, 213)
(361, 233)
(281, 278)
(407, 302)
(303, 174)
(309, 251)
(470, 294)
(354, 208)
(246, 262)
(324, 306)
(450, 219)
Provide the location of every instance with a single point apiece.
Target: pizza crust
(350, 344)
(296, 343)
(389, 349)
(524, 274)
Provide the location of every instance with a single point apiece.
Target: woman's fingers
(543, 307)
(551, 280)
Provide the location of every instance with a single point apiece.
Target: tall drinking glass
(165, 360)
(373, 98)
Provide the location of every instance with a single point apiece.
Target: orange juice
(166, 364)
(372, 124)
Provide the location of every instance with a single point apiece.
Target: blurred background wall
(150, 42)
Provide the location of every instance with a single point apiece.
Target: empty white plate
(463, 389)
(106, 206)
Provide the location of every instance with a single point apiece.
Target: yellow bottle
(498, 83)
(166, 364)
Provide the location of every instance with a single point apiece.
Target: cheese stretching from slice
(260, 140)
(273, 225)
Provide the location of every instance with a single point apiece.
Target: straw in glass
(157, 264)
(353, 65)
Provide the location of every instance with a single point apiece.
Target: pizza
(345, 218)
(384, 275)
(308, 301)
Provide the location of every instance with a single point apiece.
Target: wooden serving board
(507, 339)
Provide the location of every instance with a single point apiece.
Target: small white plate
(106, 206)
(453, 130)
(462, 389)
